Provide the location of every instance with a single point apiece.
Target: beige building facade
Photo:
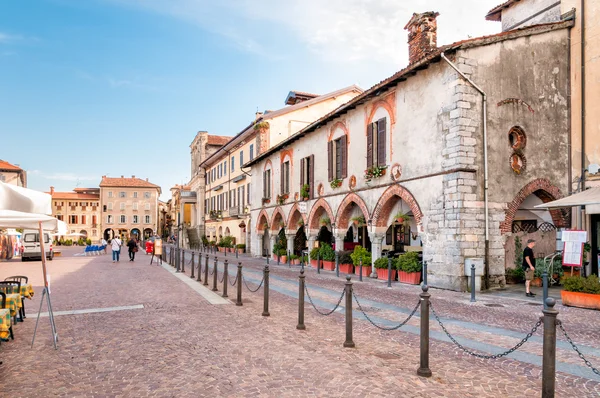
(129, 207)
(80, 210)
(12, 174)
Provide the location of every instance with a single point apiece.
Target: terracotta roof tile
(74, 195)
(494, 13)
(4, 165)
(126, 182)
(218, 140)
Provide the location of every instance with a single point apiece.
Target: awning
(589, 198)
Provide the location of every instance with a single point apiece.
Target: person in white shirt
(116, 248)
(104, 243)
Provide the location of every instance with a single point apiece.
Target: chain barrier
(583, 358)
(259, 286)
(315, 307)
(213, 271)
(221, 280)
(234, 281)
(482, 356)
(404, 322)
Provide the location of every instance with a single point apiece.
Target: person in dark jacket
(132, 245)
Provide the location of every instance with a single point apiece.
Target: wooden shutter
(370, 145)
(302, 169)
(344, 151)
(381, 142)
(282, 179)
(330, 160)
(311, 177)
(264, 184)
(287, 177)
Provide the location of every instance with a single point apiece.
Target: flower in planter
(359, 221)
(305, 191)
(266, 200)
(374, 172)
(324, 220)
(336, 183)
(402, 218)
(282, 198)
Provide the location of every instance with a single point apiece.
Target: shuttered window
(248, 193)
(267, 184)
(337, 152)
(376, 146)
(307, 174)
(285, 178)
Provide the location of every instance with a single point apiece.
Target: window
(285, 178)
(110, 206)
(376, 143)
(72, 219)
(220, 172)
(241, 159)
(83, 220)
(251, 151)
(122, 219)
(307, 174)
(122, 206)
(214, 173)
(205, 206)
(110, 194)
(136, 219)
(109, 219)
(225, 168)
(122, 195)
(232, 163)
(248, 193)
(135, 205)
(60, 217)
(147, 195)
(94, 220)
(337, 152)
(147, 219)
(147, 206)
(232, 198)
(135, 194)
(267, 184)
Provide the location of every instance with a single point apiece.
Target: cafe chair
(3, 311)
(13, 287)
(24, 281)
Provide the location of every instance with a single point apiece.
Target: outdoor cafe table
(27, 291)
(14, 303)
(4, 324)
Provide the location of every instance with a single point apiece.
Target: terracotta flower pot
(313, 263)
(581, 300)
(296, 261)
(329, 265)
(382, 273)
(413, 278)
(347, 268)
(366, 270)
(537, 282)
(283, 259)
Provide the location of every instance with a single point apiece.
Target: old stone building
(12, 174)
(456, 142)
(80, 210)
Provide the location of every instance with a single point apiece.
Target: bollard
(199, 278)
(425, 272)
(472, 283)
(424, 370)
(318, 263)
(206, 272)
(289, 260)
(267, 258)
(225, 249)
(389, 272)
(278, 258)
(177, 260)
(266, 295)
(192, 275)
(337, 264)
(549, 350)
(360, 271)
(349, 342)
(301, 278)
(545, 287)
(183, 261)
(236, 252)
(238, 300)
(215, 274)
(225, 275)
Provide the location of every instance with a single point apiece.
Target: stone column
(311, 242)
(376, 241)
(290, 241)
(257, 249)
(273, 239)
(339, 239)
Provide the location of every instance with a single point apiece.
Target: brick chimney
(51, 190)
(422, 35)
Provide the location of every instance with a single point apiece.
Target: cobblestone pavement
(179, 345)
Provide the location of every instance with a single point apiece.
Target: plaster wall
(515, 16)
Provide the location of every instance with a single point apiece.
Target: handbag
(135, 249)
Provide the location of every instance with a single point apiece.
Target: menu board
(573, 247)
(158, 247)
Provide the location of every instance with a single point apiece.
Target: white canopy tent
(589, 198)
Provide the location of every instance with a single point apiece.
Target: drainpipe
(582, 95)
(485, 167)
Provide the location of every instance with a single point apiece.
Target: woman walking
(115, 244)
(132, 245)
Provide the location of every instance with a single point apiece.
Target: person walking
(115, 244)
(104, 244)
(132, 245)
(529, 266)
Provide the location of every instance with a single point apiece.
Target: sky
(121, 87)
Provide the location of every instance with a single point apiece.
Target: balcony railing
(215, 214)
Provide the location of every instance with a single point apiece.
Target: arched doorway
(136, 233)
(147, 233)
(83, 233)
(262, 227)
(352, 217)
(108, 234)
(296, 222)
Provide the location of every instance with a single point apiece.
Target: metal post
(278, 258)
(360, 271)
(238, 300)
(337, 264)
(206, 272)
(199, 278)
(225, 249)
(266, 295)
(318, 263)
(472, 283)
(389, 272)
(236, 252)
(225, 282)
(215, 275)
(182, 260)
(549, 349)
(289, 260)
(545, 287)
(424, 370)
(301, 281)
(178, 260)
(267, 258)
(192, 275)
(424, 272)
(349, 342)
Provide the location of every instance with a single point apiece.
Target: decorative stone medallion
(352, 182)
(396, 172)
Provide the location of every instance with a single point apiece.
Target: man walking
(116, 248)
(529, 266)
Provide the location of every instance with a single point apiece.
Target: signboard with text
(573, 247)
(158, 247)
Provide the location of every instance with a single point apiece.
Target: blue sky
(120, 87)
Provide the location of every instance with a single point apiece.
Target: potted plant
(305, 191)
(282, 198)
(261, 126)
(409, 268)
(266, 201)
(324, 221)
(402, 218)
(540, 267)
(581, 292)
(328, 256)
(359, 221)
(345, 262)
(381, 267)
(282, 255)
(360, 253)
(241, 248)
(294, 259)
(265, 227)
(515, 275)
(336, 183)
(300, 222)
(314, 255)
(374, 172)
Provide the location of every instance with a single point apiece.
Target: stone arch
(388, 103)
(313, 221)
(386, 203)
(275, 219)
(341, 125)
(543, 189)
(294, 217)
(263, 218)
(345, 209)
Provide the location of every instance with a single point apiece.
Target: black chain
(383, 327)
(234, 281)
(588, 363)
(213, 271)
(324, 313)
(493, 356)
(221, 280)
(259, 286)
